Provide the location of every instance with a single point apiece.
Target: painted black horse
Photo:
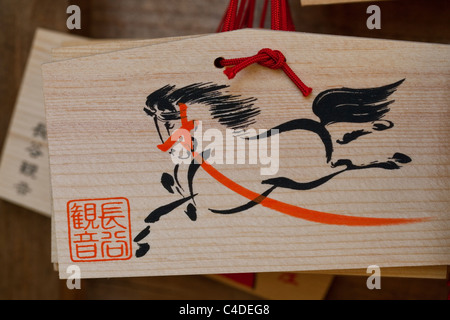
(331, 106)
(344, 105)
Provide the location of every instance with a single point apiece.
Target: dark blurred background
(25, 269)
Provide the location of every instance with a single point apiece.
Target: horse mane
(232, 111)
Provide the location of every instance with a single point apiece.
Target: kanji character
(23, 188)
(35, 150)
(29, 169)
(40, 131)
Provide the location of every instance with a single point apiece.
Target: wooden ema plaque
(24, 169)
(344, 193)
(272, 286)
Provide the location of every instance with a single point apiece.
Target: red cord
(290, 21)
(264, 14)
(249, 14)
(281, 16)
(240, 14)
(277, 15)
(229, 22)
(269, 58)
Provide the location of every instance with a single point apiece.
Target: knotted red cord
(266, 57)
(240, 14)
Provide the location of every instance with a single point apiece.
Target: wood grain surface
(74, 49)
(291, 286)
(427, 59)
(269, 286)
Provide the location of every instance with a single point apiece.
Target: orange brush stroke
(183, 131)
(302, 213)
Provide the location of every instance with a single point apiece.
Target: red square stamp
(99, 230)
